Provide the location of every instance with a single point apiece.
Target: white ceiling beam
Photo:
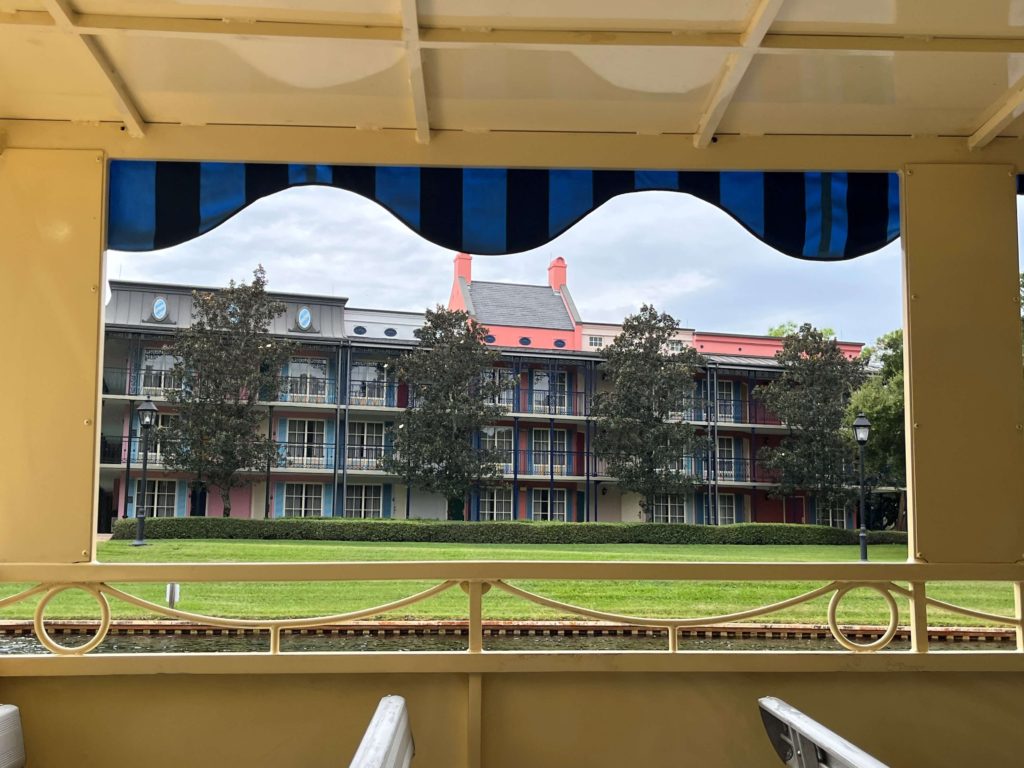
(446, 37)
(414, 60)
(735, 67)
(65, 18)
(1003, 112)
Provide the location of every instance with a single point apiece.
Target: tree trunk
(901, 515)
(225, 497)
(456, 508)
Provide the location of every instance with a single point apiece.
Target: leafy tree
(639, 431)
(453, 397)
(225, 360)
(880, 398)
(811, 396)
(788, 328)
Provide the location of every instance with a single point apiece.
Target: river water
(25, 644)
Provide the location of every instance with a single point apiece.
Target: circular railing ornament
(39, 621)
(846, 642)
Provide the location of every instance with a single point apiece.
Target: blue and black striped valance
(827, 216)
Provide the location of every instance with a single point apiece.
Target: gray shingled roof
(532, 306)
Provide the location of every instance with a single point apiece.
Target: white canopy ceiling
(691, 68)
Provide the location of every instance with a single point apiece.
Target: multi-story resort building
(339, 396)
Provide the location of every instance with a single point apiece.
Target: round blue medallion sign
(305, 318)
(159, 308)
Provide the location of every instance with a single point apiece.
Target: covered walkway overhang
(770, 109)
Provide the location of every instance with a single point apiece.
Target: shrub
(521, 532)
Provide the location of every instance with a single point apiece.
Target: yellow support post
(1018, 612)
(918, 617)
(965, 411)
(474, 721)
(51, 310)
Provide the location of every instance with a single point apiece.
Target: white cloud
(683, 255)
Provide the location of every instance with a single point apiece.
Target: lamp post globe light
(861, 432)
(147, 418)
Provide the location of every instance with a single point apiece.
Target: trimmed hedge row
(320, 529)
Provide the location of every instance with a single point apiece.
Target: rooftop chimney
(464, 267)
(556, 274)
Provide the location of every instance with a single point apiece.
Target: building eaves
(138, 285)
(467, 297)
(573, 312)
(742, 361)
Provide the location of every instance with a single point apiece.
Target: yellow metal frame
(496, 709)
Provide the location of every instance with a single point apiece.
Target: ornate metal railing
(306, 390)
(477, 578)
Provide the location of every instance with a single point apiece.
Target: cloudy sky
(679, 253)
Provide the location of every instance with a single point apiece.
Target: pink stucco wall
(241, 502)
(540, 338)
(755, 346)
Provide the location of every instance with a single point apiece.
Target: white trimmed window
(499, 439)
(550, 392)
(157, 374)
(726, 508)
(156, 439)
(161, 497)
(669, 508)
(369, 383)
(306, 443)
(548, 457)
(833, 516)
(364, 501)
(726, 404)
(595, 342)
(504, 379)
(726, 459)
(496, 504)
(303, 499)
(549, 509)
(675, 346)
(307, 380)
(365, 444)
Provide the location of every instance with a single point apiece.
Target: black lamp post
(147, 418)
(861, 431)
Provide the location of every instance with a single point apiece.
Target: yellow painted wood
(1018, 607)
(965, 403)
(544, 149)
(51, 303)
(918, 617)
(474, 719)
(506, 662)
(476, 636)
(208, 26)
(663, 720)
(489, 570)
(308, 720)
(650, 719)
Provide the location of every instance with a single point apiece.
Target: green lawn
(627, 597)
